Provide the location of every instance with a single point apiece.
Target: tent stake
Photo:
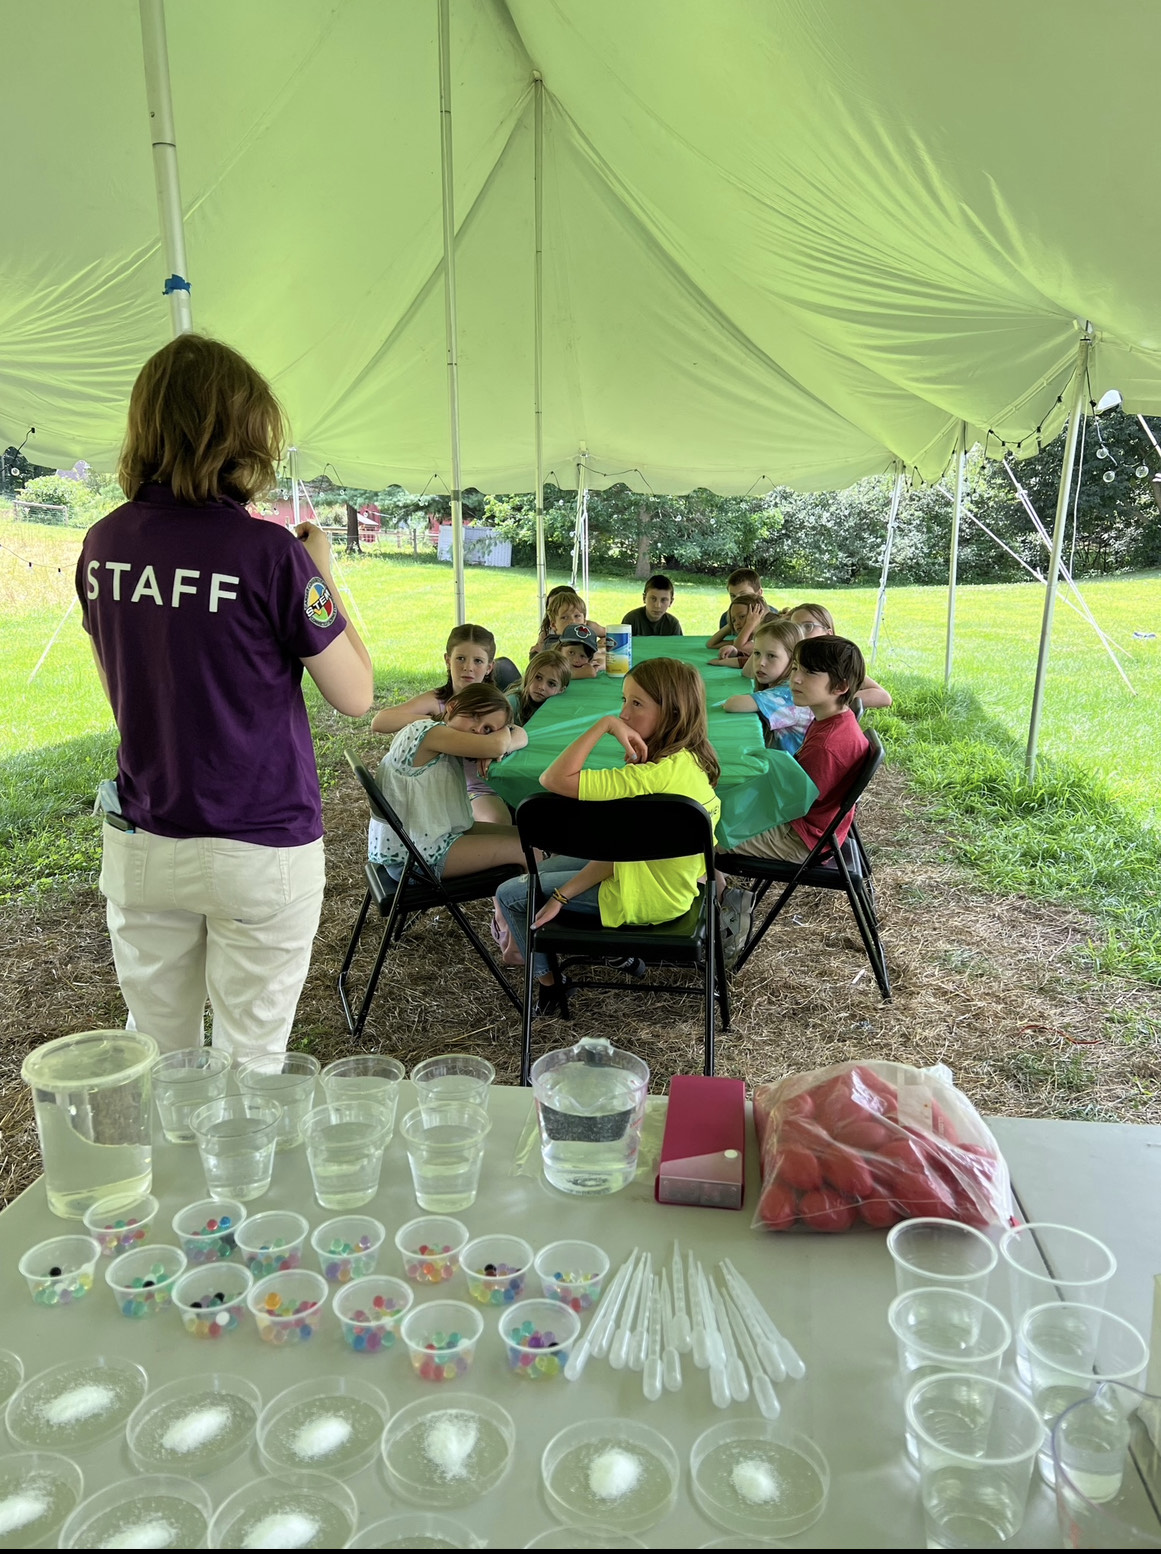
(538, 332)
(953, 564)
(157, 91)
(451, 331)
(896, 497)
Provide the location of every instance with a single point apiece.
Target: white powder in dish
(196, 1429)
(79, 1403)
(755, 1481)
(614, 1473)
(321, 1437)
(156, 1534)
(450, 1441)
(18, 1509)
(282, 1530)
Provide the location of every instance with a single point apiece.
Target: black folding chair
(828, 867)
(638, 830)
(418, 889)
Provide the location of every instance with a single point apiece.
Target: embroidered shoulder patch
(319, 604)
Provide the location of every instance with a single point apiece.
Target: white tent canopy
(798, 241)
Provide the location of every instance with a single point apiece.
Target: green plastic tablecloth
(759, 788)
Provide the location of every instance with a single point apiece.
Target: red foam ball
(880, 1213)
(826, 1210)
(799, 1168)
(848, 1172)
(778, 1206)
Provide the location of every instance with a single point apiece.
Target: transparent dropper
(776, 1351)
(641, 1333)
(698, 1337)
(735, 1370)
(715, 1347)
(764, 1394)
(619, 1352)
(670, 1358)
(602, 1326)
(682, 1332)
(652, 1379)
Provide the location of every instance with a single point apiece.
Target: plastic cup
(937, 1331)
(272, 1242)
(441, 1338)
(572, 1272)
(940, 1254)
(445, 1148)
(60, 1272)
(348, 1248)
(1055, 1262)
(289, 1079)
(142, 1281)
(538, 1336)
(370, 1311)
(205, 1230)
(1098, 1504)
(288, 1307)
(367, 1076)
(236, 1137)
(119, 1224)
(1068, 1351)
(454, 1076)
(496, 1268)
(211, 1301)
(977, 1441)
(430, 1248)
(344, 1149)
(185, 1080)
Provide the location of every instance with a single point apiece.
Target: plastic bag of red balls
(873, 1143)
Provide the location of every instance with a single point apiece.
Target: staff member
(202, 619)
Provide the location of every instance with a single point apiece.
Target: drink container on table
(590, 1102)
(91, 1095)
(618, 650)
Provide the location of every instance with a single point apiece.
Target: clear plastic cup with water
(945, 1330)
(977, 1440)
(287, 1078)
(367, 1076)
(445, 1148)
(940, 1254)
(236, 1137)
(1055, 1262)
(1099, 1505)
(344, 1149)
(183, 1081)
(454, 1076)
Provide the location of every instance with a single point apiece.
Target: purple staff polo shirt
(200, 617)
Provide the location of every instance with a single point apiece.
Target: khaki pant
(779, 842)
(209, 918)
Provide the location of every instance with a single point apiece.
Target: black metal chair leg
(482, 952)
(529, 982)
(756, 937)
(381, 955)
(349, 959)
(710, 966)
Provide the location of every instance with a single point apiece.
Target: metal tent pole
(538, 332)
(449, 303)
(160, 100)
(896, 498)
(578, 523)
(953, 564)
(585, 540)
(1075, 414)
(292, 458)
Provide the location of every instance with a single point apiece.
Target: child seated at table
(565, 607)
(653, 618)
(742, 580)
(546, 676)
(662, 729)
(578, 646)
(786, 724)
(734, 641)
(817, 621)
(422, 778)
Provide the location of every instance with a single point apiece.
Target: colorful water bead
(444, 1357)
(430, 1264)
(147, 1295)
(212, 1317)
(563, 1287)
(500, 1284)
(286, 1322)
(534, 1353)
(63, 1289)
(212, 1243)
(121, 1234)
(368, 1332)
(344, 1261)
(275, 1258)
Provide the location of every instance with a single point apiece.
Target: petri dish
(442, 1453)
(195, 1425)
(38, 1489)
(152, 1511)
(610, 1470)
(11, 1374)
(286, 1511)
(76, 1404)
(416, 1531)
(332, 1425)
(757, 1477)
(583, 1538)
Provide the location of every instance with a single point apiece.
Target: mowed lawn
(407, 608)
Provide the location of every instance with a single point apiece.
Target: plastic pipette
(682, 1331)
(787, 1357)
(602, 1324)
(641, 1333)
(715, 1346)
(698, 1338)
(670, 1358)
(619, 1352)
(651, 1381)
(764, 1394)
(735, 1370)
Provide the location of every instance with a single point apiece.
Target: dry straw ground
(1000, 989)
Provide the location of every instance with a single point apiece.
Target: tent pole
(896, 498)
(1063, 493)
(577, 525)
(538, 332)
(292, 455)
(953, 564)
(585, 540)
(449, 303)
(157, 91)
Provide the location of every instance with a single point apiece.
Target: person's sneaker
(736, 911)
(631, 965)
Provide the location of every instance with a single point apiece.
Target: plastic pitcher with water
(91, 1095)
(590, 1100)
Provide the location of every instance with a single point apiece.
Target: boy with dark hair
(654, 619)
(742, 580)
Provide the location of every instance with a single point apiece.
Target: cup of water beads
(572, 1272)
(369, 1311)
(538, 1335)
(271, 1242)
(205, 1230)
(430, 1248)
(441, 1338)
(496, 1268)
(211, 1301)
(288, 1306)
(348, 1248)
(142, 1280)
(60, 1272)
(120, 1224)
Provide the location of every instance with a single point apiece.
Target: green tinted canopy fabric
(788, 241)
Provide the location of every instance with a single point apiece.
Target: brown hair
(753, 604)
(784, 631)
(202, 421)
(477, 699)
(559, 600)
(479, 636)
(744, 575)
(549, 659)
(839, 659)
(819, 614)
(679, 691)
